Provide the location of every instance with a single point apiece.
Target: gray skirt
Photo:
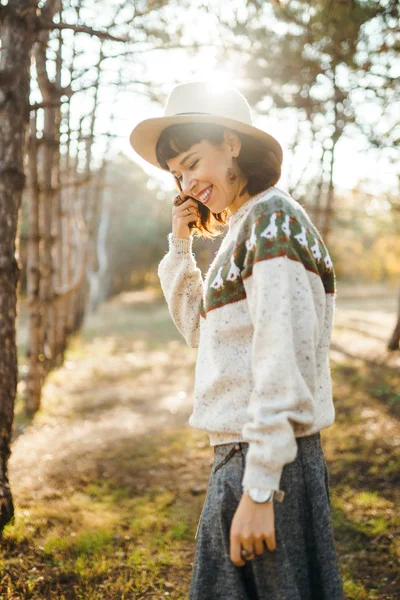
(303, 566)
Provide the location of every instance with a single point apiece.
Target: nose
(188, 184)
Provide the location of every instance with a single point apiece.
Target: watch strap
(277, 495)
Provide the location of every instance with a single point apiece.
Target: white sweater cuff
(180, 245)
(256, 477)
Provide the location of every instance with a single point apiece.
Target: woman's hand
(184, 212)
(251, 525)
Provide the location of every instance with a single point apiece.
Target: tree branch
(102, 35)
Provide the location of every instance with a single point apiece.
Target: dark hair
(257, 162)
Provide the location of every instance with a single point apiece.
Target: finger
(235, 551)
(184, 211)
(185, 220)
(271, 541)
(183, 205)
(259, 547)
(193, 212)
(189, 202)
(248, 547)
(178, 199)
(185, 214)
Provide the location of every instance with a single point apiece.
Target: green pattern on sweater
(272, 228)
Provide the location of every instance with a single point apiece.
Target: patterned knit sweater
(262, 322)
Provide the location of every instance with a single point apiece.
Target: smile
(204, 196)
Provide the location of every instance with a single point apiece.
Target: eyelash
(190, 167)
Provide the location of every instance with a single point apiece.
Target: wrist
(180, 236)
(262, 496)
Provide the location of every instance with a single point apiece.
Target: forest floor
(108, 479)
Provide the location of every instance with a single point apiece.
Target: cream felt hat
(198, 102)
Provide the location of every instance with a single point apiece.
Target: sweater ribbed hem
(224, 438)
(180, 245)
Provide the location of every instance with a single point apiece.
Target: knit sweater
(262, 322)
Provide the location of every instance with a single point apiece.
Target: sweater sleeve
(283, 358)
(182, 285)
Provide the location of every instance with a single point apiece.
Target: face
(202, 173)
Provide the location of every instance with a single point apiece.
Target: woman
(262, 321)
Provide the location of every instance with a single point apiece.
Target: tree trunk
(394, 342)
(338, 124)
(43, 153)
(318, 193)
(58, 324)
(97, 277)
(48, 146)
(17, 35)
(330, 201)
(35, 374)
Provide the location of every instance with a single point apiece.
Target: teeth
(205, 194)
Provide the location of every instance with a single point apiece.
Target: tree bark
(49, 145)
(394, 342)
(318, 193)
(337, 133)
(43, 154)
(17, 35)
(34, 357)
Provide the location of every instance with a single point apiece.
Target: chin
(218, 209)
(215, 208)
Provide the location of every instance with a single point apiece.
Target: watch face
(260, 495)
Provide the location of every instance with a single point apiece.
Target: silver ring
(246, 554)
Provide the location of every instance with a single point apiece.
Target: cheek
(218, 174)
(214, 170)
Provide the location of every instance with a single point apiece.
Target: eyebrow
(185, 159)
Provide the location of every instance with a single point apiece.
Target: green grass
(364, 466)
(106, 540)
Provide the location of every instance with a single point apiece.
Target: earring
(231, 176)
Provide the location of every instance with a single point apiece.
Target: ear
(232, 142)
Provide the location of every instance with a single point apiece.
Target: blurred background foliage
(364, 242)
(321, 76)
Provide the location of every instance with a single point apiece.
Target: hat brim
(144, 136)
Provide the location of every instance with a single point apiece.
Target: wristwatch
(261, 496)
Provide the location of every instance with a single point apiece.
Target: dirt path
(117, 383)
(364, 320)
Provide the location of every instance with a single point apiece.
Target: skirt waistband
(221, 451)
